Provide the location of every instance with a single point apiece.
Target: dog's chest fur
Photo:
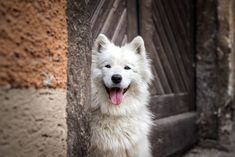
(118, 133)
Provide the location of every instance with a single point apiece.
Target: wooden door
(115, 18)
(167, 29)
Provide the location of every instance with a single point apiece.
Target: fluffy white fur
(120, 130)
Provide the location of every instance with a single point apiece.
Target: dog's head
(120, 70)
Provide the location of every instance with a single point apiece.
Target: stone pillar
(206, 68)
(232, 65)
(215, 70)
(226, 79)
(78, 94)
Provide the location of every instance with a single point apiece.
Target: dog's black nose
(116, 78)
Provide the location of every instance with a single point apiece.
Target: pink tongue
(116, 96)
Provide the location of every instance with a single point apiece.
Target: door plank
(164, 31)
(100, 15)
(112, 20)
(146, 31)
(132, 24)
(121, 28)
(170, 104)
(170, 25)
(174, 134)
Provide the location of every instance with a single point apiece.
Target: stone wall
(226, 79)
(215, 71)
(79, 92)
(33, 39)
(232, 65)
(32, 123)
(33, 72)
(206, 68)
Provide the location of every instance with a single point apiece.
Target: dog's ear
(137, 44)
(100, 42)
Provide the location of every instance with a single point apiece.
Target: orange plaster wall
(33, 43)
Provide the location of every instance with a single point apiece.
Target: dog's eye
(127, 68)
(107, 66)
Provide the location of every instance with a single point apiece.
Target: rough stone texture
(32, 123)
(225, 45)
(206, 68)
(33, 41)
(215, 71)
(231, 90)
(78, 95)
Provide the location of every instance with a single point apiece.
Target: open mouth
(116, 94)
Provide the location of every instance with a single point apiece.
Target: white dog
(121, 121)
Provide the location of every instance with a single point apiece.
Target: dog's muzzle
(116, 94)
